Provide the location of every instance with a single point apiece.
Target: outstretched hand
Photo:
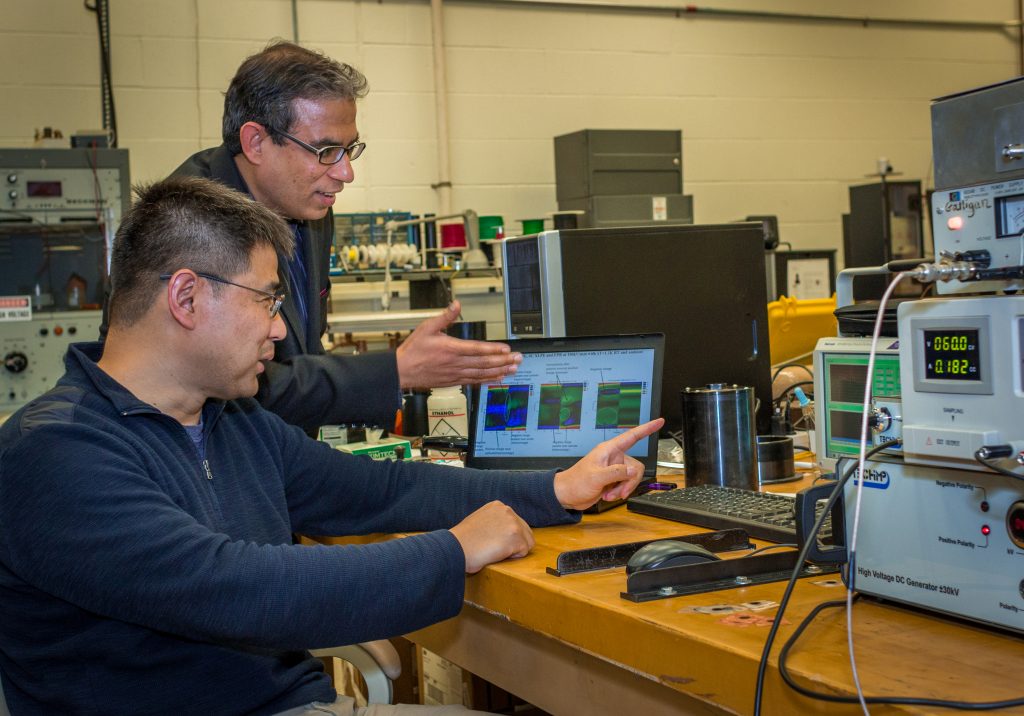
(606, 472)
(430, 358)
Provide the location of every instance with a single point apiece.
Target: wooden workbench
(571, 645)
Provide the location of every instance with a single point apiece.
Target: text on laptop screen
(563, 403)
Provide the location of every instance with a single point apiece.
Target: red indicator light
(986, 530)
(955, 223)
(58, 331)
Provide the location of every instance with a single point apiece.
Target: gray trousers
(346, 706)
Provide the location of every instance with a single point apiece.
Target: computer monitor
(568, 395)
(703, 286)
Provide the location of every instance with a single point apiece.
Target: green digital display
(952, 355)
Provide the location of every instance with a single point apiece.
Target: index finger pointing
(624, 441)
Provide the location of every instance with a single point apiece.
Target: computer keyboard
(763, 515)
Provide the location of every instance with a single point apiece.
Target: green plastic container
(532, 226)
(489, 226)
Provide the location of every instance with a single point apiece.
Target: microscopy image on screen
(564, 402)
(618, 404)
(506, 407)
(561, 406)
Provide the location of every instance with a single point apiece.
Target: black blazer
(304, 385)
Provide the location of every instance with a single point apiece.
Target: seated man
(147, 502)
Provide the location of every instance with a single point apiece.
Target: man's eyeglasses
(274, 300)
(328, 155)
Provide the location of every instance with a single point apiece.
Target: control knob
(16, 361)
(880, 420)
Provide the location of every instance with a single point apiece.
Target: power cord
(852, 549)
(102, 10)
(901, 700)
(985, 454)
(801, 558)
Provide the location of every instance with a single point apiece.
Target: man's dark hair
(267, 83)
(186, 222)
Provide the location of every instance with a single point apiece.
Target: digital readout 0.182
(952, 355)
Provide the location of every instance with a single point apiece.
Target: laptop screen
(568, 395)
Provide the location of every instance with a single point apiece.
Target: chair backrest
(376, 661)
(3, 701)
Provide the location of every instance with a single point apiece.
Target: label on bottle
(446, 413)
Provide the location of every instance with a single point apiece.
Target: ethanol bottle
(446, 412)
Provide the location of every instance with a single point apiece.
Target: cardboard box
(383, 449)
(441, 682)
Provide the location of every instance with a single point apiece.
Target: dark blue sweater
(134, 579)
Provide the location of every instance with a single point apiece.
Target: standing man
(147, 503)
(290, 139)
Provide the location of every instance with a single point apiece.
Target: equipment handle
(806, 507)
(1013, 151)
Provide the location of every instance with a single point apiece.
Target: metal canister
(719, 436)
(775, 459)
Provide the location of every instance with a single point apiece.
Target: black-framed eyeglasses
(274, 300)
(330, 154)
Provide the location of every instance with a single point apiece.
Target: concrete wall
(778, 116)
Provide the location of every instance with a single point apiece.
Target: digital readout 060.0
(952, 355)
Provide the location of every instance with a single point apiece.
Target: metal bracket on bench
(646, 586)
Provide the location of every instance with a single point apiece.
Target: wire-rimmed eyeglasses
(331, 154)
(274, 300)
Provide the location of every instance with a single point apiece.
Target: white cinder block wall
(778, 116)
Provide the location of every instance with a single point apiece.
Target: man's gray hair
(267, 84)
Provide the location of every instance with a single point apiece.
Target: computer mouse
(668, 553)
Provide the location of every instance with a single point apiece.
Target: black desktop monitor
(702, 286)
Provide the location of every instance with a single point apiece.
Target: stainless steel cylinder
(775, 459)
(719, 436)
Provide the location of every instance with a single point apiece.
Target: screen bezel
(973, 357)
(923, 384)
(645, 341)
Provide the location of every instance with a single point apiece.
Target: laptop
(568, 395)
